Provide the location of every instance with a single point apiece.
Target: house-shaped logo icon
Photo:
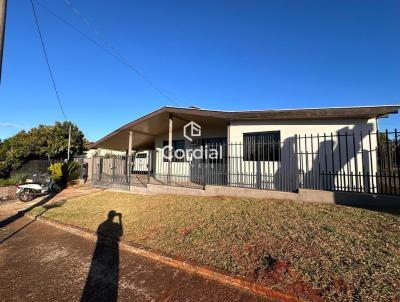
(190, 130)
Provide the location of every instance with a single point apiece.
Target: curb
(187, 266)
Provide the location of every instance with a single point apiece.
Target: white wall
(181, 168)
(283, 175)
(102, 152)
(279, 175)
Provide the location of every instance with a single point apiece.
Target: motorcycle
(41, 185)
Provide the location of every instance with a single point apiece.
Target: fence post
(113, 169)
(149, 164)
(100, 169)
(397, 160)
(203, 169)
(91, 177)
(130, 142)
(297, 182)
(170, 129)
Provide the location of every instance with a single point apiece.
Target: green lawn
(339, 253)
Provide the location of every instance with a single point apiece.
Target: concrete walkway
(42, 263)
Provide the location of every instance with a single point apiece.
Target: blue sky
(232, 55)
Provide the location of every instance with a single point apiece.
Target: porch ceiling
(147, 128)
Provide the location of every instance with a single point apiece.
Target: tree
(41, 142)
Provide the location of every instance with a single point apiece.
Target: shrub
(65, 173)
(5, 170)
(56, 171)
(21, 178)
(71, 172)
(9, 182)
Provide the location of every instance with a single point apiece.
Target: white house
(323, 148)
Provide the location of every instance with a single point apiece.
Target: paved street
(42, 263)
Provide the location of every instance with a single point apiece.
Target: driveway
(41, 263)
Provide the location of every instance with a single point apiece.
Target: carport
(140, 136)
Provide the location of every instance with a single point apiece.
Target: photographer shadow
(102, 280)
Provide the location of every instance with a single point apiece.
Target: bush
(56, 171)
(65, 173)
(71, 171)
(9, 182)
(41, 142)
(5, 170)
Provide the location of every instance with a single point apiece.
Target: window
(262, 146)
(141, 155)
(176, 144)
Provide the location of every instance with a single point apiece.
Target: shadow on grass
(103, 278)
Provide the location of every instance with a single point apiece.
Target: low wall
(304, 195)
(351, 199)
(215, 191)
(7, 192)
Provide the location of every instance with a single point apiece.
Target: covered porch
(149, 145)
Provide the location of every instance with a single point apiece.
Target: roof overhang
(146, 128)
(156, 122)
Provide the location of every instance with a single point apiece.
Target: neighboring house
(103, 152)
(325, 148)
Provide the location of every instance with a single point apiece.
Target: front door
(208, 170)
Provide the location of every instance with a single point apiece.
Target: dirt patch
(7, 193)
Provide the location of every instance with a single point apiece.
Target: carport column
(169, 149)
(130, 156)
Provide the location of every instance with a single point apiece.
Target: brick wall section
(7, 192)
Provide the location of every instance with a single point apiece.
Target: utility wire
(47, 61)
(118, 53)
(115, 54)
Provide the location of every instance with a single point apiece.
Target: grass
(319, 250)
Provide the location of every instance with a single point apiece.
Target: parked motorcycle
(41, 185)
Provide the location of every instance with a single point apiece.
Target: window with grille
(262, 146)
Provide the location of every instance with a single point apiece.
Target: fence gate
(110, 172)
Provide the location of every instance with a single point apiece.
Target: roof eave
(315, 113)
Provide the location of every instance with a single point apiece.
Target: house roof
(153, 124)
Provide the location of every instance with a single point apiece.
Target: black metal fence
(352, 161)
(110, 171)
(35, 166)
(356, 161)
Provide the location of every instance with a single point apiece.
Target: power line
(52, 79)
(47, 61)
(118, 53)
(114, 53)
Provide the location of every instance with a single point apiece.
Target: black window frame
(141, 155)
(175, 146)
(262, 146)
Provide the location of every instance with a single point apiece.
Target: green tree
(41, 142)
